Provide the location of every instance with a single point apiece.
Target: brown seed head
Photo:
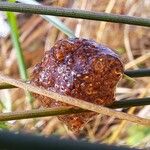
(79, 68)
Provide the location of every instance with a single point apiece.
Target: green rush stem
(138, 73)
(15, 39)
(130, 103)
(68, 110)
(19, 54)
(74, 13)
(6, 86)
(52, 20)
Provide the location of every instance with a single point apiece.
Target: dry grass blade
(101, 29)
(123, 124)
(75, 102)
(137, 61)
(126, 34)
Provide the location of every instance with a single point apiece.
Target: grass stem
(74, 13)
(75, 102)
(68, 110)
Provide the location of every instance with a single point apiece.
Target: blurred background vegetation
(37, 35)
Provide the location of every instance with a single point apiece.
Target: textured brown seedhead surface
(79, 68)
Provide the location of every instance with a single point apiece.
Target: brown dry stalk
(76, 102)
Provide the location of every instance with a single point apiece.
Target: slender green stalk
(20, 58)
(51, 19)
(74, 13)
(68, 110)
(37, 113)
(126, 103)
(15, 39)
(6, 86)
(138, 73)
